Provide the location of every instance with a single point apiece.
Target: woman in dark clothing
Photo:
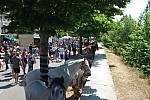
(94, 47)
(6, 58)
(24, 61)
(16, 61)
(74, 48)
(11, 65)
(69, 48)
(66, 54)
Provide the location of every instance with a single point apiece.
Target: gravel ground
(129, 83)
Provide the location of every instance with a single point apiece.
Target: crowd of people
(57, 51)
(71, 47)
(62, 50)
(17, 59)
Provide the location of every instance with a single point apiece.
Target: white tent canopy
(66, 37)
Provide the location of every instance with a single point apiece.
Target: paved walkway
(99, 85)
(11, 91)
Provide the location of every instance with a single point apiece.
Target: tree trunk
(44, 57)
(81, 43)
(88, 40)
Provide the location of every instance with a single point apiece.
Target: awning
(66, 37)
(10, 37)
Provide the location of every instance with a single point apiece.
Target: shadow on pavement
(88, 90)
(7, 86)
(5, 80)
(6, 74)
(100, 47)
(2, 70)
(9, 75)
(99, 57)
(21, 83)
(90, 94)
(92, 97)
(20, 77)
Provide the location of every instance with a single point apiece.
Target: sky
(134, 8)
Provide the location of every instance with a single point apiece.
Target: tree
(50, 15)
(131, 40)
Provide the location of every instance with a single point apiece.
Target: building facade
(4, 21)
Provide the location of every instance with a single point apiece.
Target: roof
(9, 37)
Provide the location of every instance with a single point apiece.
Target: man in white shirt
(31, 60)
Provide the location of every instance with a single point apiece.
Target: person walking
(54, 51)
(61, 51)
(66, 54)
(57, 53)
(69, 48)
(30, 47)
(94, 47)
(6, 59)
(16, 61)
(24, 61)
(1, 48)
(74, 48)
(50, 52)
(11, 65)
(31, 60)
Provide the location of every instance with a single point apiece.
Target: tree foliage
(50, 15)
(130, 39)
(58, 14)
